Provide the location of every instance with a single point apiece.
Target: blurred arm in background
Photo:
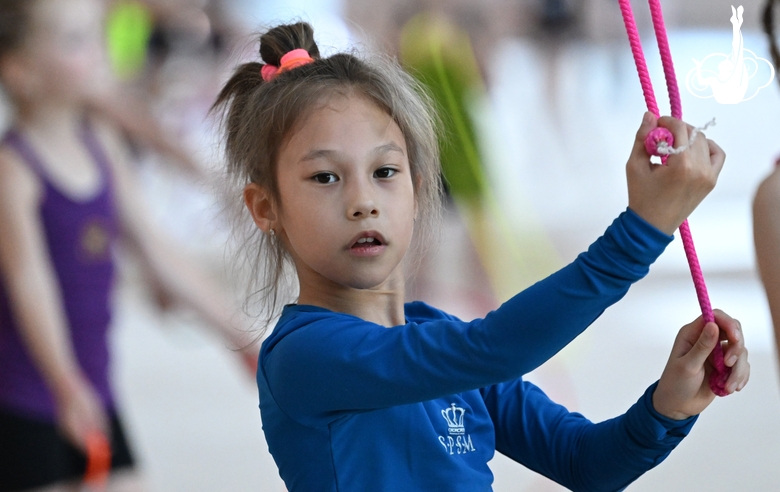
(176, 278)
(766, 234)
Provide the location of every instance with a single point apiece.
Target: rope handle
(721, 372)
(660, 141)
(98, 461)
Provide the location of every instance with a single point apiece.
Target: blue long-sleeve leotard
(350, 405)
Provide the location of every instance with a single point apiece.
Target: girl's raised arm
(342, 363)
(131, 114)
(36, 302)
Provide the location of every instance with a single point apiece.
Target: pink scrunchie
(290, 60)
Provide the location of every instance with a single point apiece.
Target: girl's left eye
(385, 172)
(325, 178)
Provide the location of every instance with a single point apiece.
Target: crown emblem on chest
(454, 417)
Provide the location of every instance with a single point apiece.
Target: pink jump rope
(720, 374)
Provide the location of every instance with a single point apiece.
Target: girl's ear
(261, 207)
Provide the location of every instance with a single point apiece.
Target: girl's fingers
(734, 349)
(740, 374)
(680, 130)
(717, 156)
(735, 355)
(732, 329)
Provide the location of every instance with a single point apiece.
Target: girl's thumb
(648, 123)
(648, 119)
(705, 344)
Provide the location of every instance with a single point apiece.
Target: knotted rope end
(660, 141)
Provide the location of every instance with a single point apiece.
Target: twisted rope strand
(720, 374)
(666, 58)
(639, 57)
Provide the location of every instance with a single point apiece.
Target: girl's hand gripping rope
(683, 390)
(666, 195)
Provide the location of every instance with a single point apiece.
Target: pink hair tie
(292, 59)
(268, 72)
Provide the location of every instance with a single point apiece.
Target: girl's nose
(361, 202)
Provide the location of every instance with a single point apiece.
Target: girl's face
(63, 55)
(347, 201)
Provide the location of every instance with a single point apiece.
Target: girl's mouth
(367, 246)
(366, 242)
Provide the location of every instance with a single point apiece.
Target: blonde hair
(258, 116)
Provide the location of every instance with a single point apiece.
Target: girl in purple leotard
(66, 196)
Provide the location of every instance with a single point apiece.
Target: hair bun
(280, 40)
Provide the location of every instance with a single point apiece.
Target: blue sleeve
(569, 449)
(338, 363)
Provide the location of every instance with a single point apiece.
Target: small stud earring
(271, 233)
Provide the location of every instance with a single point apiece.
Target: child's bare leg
(126, 481)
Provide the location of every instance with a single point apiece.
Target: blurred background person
(766, 203)
(67, 195)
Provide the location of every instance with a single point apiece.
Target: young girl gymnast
(67, 194)
(337, 159)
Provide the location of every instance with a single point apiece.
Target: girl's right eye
(325, 178)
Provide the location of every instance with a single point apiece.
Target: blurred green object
(440, 56)
(128, 28)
